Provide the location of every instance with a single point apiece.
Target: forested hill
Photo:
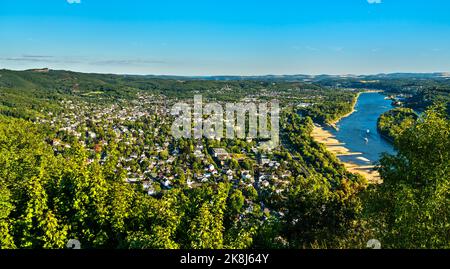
(23, 93)
(67, 82)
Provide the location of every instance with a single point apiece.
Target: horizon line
(233, 75)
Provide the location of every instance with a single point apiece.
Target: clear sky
(226, 37)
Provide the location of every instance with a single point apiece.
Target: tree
(205, 232)
(155, 222)
(411, 208)
(236, 202)
(164, 154)
(6, 239)
(212, 212)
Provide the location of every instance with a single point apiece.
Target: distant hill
(312, 78)
(287, 78)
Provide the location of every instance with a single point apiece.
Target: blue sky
(226, 37)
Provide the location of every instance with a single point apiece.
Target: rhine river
(359, 130)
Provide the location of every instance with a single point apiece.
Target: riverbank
(320, 135)
(355, 100)
(333, 145)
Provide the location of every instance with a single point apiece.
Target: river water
(359, 130)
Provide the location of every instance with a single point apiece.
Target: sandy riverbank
(333, 145)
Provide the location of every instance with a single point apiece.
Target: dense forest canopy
(392, 123)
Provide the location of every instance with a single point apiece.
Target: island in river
(355, 140)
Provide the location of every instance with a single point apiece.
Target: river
(359, 130)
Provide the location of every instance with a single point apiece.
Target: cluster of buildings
(137, 132)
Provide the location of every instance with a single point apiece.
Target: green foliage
(336, 105)
(392, 123)
(6, 239)
(46, 199)
(411, 208)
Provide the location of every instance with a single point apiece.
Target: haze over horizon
(223, 38)
(445, 73)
